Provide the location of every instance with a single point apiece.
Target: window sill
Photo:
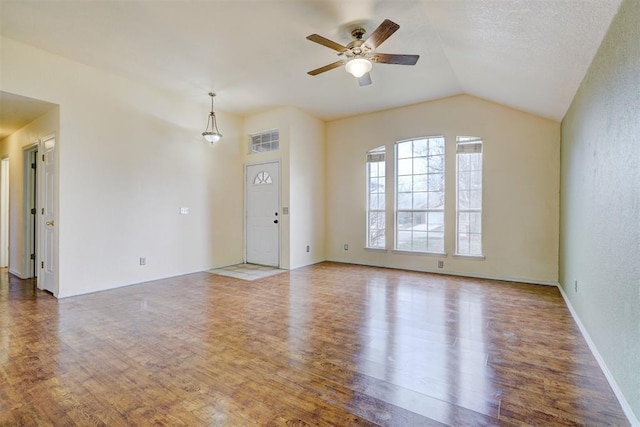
(405, 252)
(471, 257)
(375, 249)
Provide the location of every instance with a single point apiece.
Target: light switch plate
(184, 211)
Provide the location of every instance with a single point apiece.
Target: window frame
(267, 134)
(469, 141)
(376, 152)
(441, 210)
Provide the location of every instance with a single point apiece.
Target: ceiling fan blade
(389, 58)
(326, 68)
(381, 33)
(365, 80)
(326, 42)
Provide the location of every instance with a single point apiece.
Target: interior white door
(46, 278)
(262, 213)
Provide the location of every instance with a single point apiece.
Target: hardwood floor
(330, 344)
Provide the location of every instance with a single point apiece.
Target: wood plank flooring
(330, 344)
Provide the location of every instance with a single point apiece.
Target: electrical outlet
(346, 246)
(308, 248)
(184, 211)
(575, 286)
(440, 264)
(143, 260)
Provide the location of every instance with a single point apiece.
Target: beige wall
(307, 213)
(13, 147)
(129, 157)
(521, 187)
(600, 223)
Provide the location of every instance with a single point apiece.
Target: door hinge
(41, 264)
(33, 256)
(33, 165)
(33, 211)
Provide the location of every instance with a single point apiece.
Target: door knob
(275, 221)
(49, 223)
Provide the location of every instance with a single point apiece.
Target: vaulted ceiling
(527, 54)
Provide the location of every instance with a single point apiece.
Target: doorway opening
(4, 212)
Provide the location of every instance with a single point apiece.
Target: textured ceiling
(527, 54)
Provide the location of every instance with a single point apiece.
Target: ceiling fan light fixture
(212, 136)
(358, 67)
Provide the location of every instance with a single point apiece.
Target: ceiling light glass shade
(358, 67)
(212, 136)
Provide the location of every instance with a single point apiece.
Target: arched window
(262, 178)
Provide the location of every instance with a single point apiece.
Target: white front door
(262, 213)
(46, 279)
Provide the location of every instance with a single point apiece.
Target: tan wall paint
(521, 186)
(129, 157)
(307, 189)
(600, 226)
(13, 146)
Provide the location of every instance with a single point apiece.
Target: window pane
(420, 200)
(475, 244)
(464, 179)
(420, 182)
(475, 180)
(420, 147)
(420, 165)
(405, 183)
(436, 200)
(404, 150)
(436, 146)
(463, 222)
(404, 201)
(405, 166)
(436, 241)
(404, 220)
(404, 240)
(436, 221)
(464, 202)
(475, 199)
(419, 241)
(436, 164)
(475, 222)
(436, 181)
(419, 221)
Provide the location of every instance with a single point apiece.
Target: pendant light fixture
(212, 136)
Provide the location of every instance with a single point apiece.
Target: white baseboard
(524, 280)
(633, 419)
(18, 274)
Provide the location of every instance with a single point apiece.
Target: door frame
(43, 189)
(30, 225)
(246, 167)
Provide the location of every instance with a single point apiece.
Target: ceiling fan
(359, 55)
